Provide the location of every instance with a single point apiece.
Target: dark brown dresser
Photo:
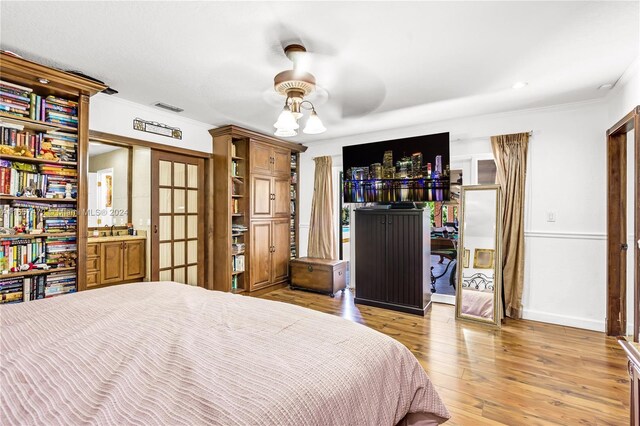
(393, 259)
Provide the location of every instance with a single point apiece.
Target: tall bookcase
(255, 209)
(43, 149)
(295, 220)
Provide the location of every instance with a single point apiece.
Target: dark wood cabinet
(393, 259)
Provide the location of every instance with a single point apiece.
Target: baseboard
(569, 321)
(443, 298)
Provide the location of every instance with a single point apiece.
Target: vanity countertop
(114, 238)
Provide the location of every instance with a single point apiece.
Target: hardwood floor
(526, 373)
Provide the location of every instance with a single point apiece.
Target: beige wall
(118, 160)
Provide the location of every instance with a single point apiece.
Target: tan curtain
(510, 152)
(321, 232)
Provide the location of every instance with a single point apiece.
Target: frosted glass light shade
(314, 125)
(286, 120)
(285, 133)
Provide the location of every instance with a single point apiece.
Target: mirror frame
(497, 290)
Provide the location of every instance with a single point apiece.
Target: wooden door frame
(616, 324)
(126, 141)
(156, 157)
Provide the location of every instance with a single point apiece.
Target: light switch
(551, 216)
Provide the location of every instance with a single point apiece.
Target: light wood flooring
(527, 373)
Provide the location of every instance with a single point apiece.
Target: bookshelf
(294, 222)
(43, 140)
(252, 217)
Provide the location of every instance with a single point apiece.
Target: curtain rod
(530, 133)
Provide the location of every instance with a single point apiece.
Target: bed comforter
(167, 353)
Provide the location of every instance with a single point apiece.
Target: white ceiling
(380, 65)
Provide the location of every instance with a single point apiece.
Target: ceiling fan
(295, 84)
(351, 90)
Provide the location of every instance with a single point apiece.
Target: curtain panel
(321, 232)
(510, 153)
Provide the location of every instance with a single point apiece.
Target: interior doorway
(177, 205)
(619, 156)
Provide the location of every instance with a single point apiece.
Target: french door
(177, 218)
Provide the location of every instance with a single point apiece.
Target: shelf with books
(44, 124)
(37, 125)
(293, 195)
(41, 235)
(38, 160)
(35, 272)
(37, 199)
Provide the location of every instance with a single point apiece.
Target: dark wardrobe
(393, 261)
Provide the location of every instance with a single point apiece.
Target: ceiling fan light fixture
(286, 120)
(314, 125)
(285, 133)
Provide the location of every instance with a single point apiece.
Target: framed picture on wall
(483, 258)
(465, 258)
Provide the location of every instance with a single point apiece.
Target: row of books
(15, 252)
(63, 145)
(23, 289)
(238, 228)
(60, 249)
(60, 283)
(237, 248)
(23, 102)
(237, 263)
(32, 215)
(54, 251)
(60, 224)
(15, 99)
(235, 205)
(234, 282)
(49, 179)
(234, 169)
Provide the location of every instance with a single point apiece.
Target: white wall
(565, 259)
(114, 115)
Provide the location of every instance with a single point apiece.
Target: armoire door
(260, 254)
(177, 205)
(281, 162)
(261, 196)
(281, 197)
(371, 260)
(281, 247)
(260, 158)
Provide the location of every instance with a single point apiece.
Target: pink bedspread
(167, 353)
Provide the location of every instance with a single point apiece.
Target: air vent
(168, 107)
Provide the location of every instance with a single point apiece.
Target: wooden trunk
(321, 275)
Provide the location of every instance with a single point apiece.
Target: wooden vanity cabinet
(115, 262)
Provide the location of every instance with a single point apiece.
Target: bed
(477, 303)
(168, 353)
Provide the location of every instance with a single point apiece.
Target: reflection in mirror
(479, 296)
(108, 185)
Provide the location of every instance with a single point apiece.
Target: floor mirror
(479, 295)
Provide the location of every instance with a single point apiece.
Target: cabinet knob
(310, 268)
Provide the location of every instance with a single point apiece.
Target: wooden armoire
(255, 209)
